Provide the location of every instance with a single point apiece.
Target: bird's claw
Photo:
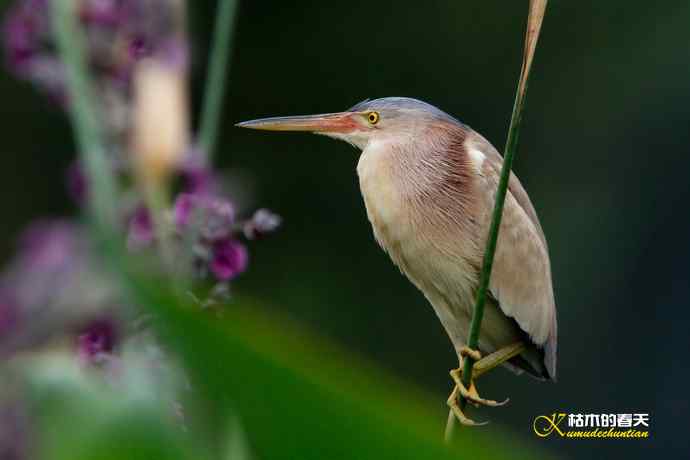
(467, 351)
(471, 394)
(458, 412)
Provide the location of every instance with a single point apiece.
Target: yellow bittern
(428, 183)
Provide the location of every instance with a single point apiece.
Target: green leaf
(300, 397)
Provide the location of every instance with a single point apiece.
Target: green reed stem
(490, 251)
(535, 17)
(217, 77)
(83, 114)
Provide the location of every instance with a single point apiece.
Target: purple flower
(24, 26)
(229, 259)
(119, 33)
(211, 216)
(197, 178)
(140, 232)
(108, 13)
(53, 284)
(28, 53)
(262, 223)
(220, 215)
(97, 339)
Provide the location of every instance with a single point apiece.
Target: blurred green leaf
(300, 397)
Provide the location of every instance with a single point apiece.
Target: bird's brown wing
(521, 275)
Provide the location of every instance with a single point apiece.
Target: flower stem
(83, 114)
(535, 18)
(217, 78)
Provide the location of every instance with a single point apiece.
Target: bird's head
(386, 118)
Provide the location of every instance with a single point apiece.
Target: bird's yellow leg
(481, 366)
(495, 359)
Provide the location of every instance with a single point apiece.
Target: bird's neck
(432, 165)
(421, 181)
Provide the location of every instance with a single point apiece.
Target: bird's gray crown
(403, 103)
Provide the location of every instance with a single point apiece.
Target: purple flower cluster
(54, 261)
(26, 30)
(120, 33)
(53, 285)
(206, 220)
(211, 219)
(56, 289)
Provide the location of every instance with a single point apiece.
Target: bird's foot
(471, 394)
(458, 412)
(481, 366)
(472, 353)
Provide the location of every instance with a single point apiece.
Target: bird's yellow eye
(373, 118)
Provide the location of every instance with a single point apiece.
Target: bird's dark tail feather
(530, 361)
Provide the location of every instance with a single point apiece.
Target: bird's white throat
(382, 193)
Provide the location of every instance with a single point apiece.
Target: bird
(428, 182)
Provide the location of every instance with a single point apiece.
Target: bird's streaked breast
(421, 218)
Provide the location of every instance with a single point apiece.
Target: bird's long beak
(342, 122)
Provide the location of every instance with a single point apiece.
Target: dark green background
(604, 155)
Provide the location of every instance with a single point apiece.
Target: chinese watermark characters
(574, 425)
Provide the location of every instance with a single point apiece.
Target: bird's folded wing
(521, 275)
